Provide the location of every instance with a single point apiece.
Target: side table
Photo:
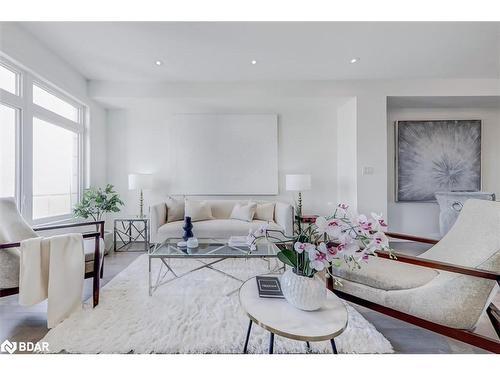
(278, 317)
(130, 231)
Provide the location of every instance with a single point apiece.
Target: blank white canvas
(225, 154)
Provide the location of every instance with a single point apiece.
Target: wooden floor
(19, 323)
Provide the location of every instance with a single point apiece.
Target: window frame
(17, 140)
(10, 67)
(26, 111)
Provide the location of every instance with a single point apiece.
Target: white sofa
(221, 226)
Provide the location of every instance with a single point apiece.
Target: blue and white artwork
(443, 155)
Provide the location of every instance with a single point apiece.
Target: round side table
(278, 317)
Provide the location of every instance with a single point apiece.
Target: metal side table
(130, 231)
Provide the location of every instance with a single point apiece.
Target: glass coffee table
(209, 252)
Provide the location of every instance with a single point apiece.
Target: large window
(41, 153)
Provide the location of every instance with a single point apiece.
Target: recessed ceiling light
(254, 62)
(158, 62)
(354, 60)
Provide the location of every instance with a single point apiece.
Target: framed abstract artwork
(441, 155)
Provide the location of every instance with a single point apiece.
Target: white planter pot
(305, 293)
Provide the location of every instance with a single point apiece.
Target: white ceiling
(218, 51)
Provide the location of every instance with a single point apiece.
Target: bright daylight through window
(41, 169)
(45, 99)
(55, 169)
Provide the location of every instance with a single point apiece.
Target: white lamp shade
(139, 181)
(298, 182)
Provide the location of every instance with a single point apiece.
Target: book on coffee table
(238, 241)
(269, 287)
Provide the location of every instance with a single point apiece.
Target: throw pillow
(244, 212)
(264, 211)
(198, 210)
(175, 209)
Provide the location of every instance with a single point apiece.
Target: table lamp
(140, 181)
(300, 183)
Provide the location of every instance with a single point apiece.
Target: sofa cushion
(265, 211)
(198, 210)
(222, 208)
(244, 212)
(222, 228)
(175, 209)
(387, 274)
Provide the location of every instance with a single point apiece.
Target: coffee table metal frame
(213, 255)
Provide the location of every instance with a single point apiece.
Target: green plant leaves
(97, 201)
(288, 257)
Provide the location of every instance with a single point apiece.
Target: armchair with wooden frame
(447, 288)
(14, 229)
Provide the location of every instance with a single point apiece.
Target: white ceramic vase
(305, 293)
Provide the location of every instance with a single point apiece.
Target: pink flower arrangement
(331, 241)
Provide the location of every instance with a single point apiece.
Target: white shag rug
(188, 315)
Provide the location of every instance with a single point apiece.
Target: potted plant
(332, 241)
(98, 201)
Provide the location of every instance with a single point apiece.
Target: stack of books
(238, 241)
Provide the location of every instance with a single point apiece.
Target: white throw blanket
(53, 268)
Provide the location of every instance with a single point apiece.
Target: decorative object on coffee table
(131, 231)
(140, 181)
(451, 204)
(435, 156)
(188, 228)
(280, 318)
(192, 242)
(330, 241)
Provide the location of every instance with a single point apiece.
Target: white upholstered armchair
(445, 289)
(14, 229)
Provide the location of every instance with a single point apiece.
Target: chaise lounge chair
(447, 288)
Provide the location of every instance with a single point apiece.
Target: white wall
(423, 218)
(371, 113)
(32, 55)
(347, 166)
(138, 137)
